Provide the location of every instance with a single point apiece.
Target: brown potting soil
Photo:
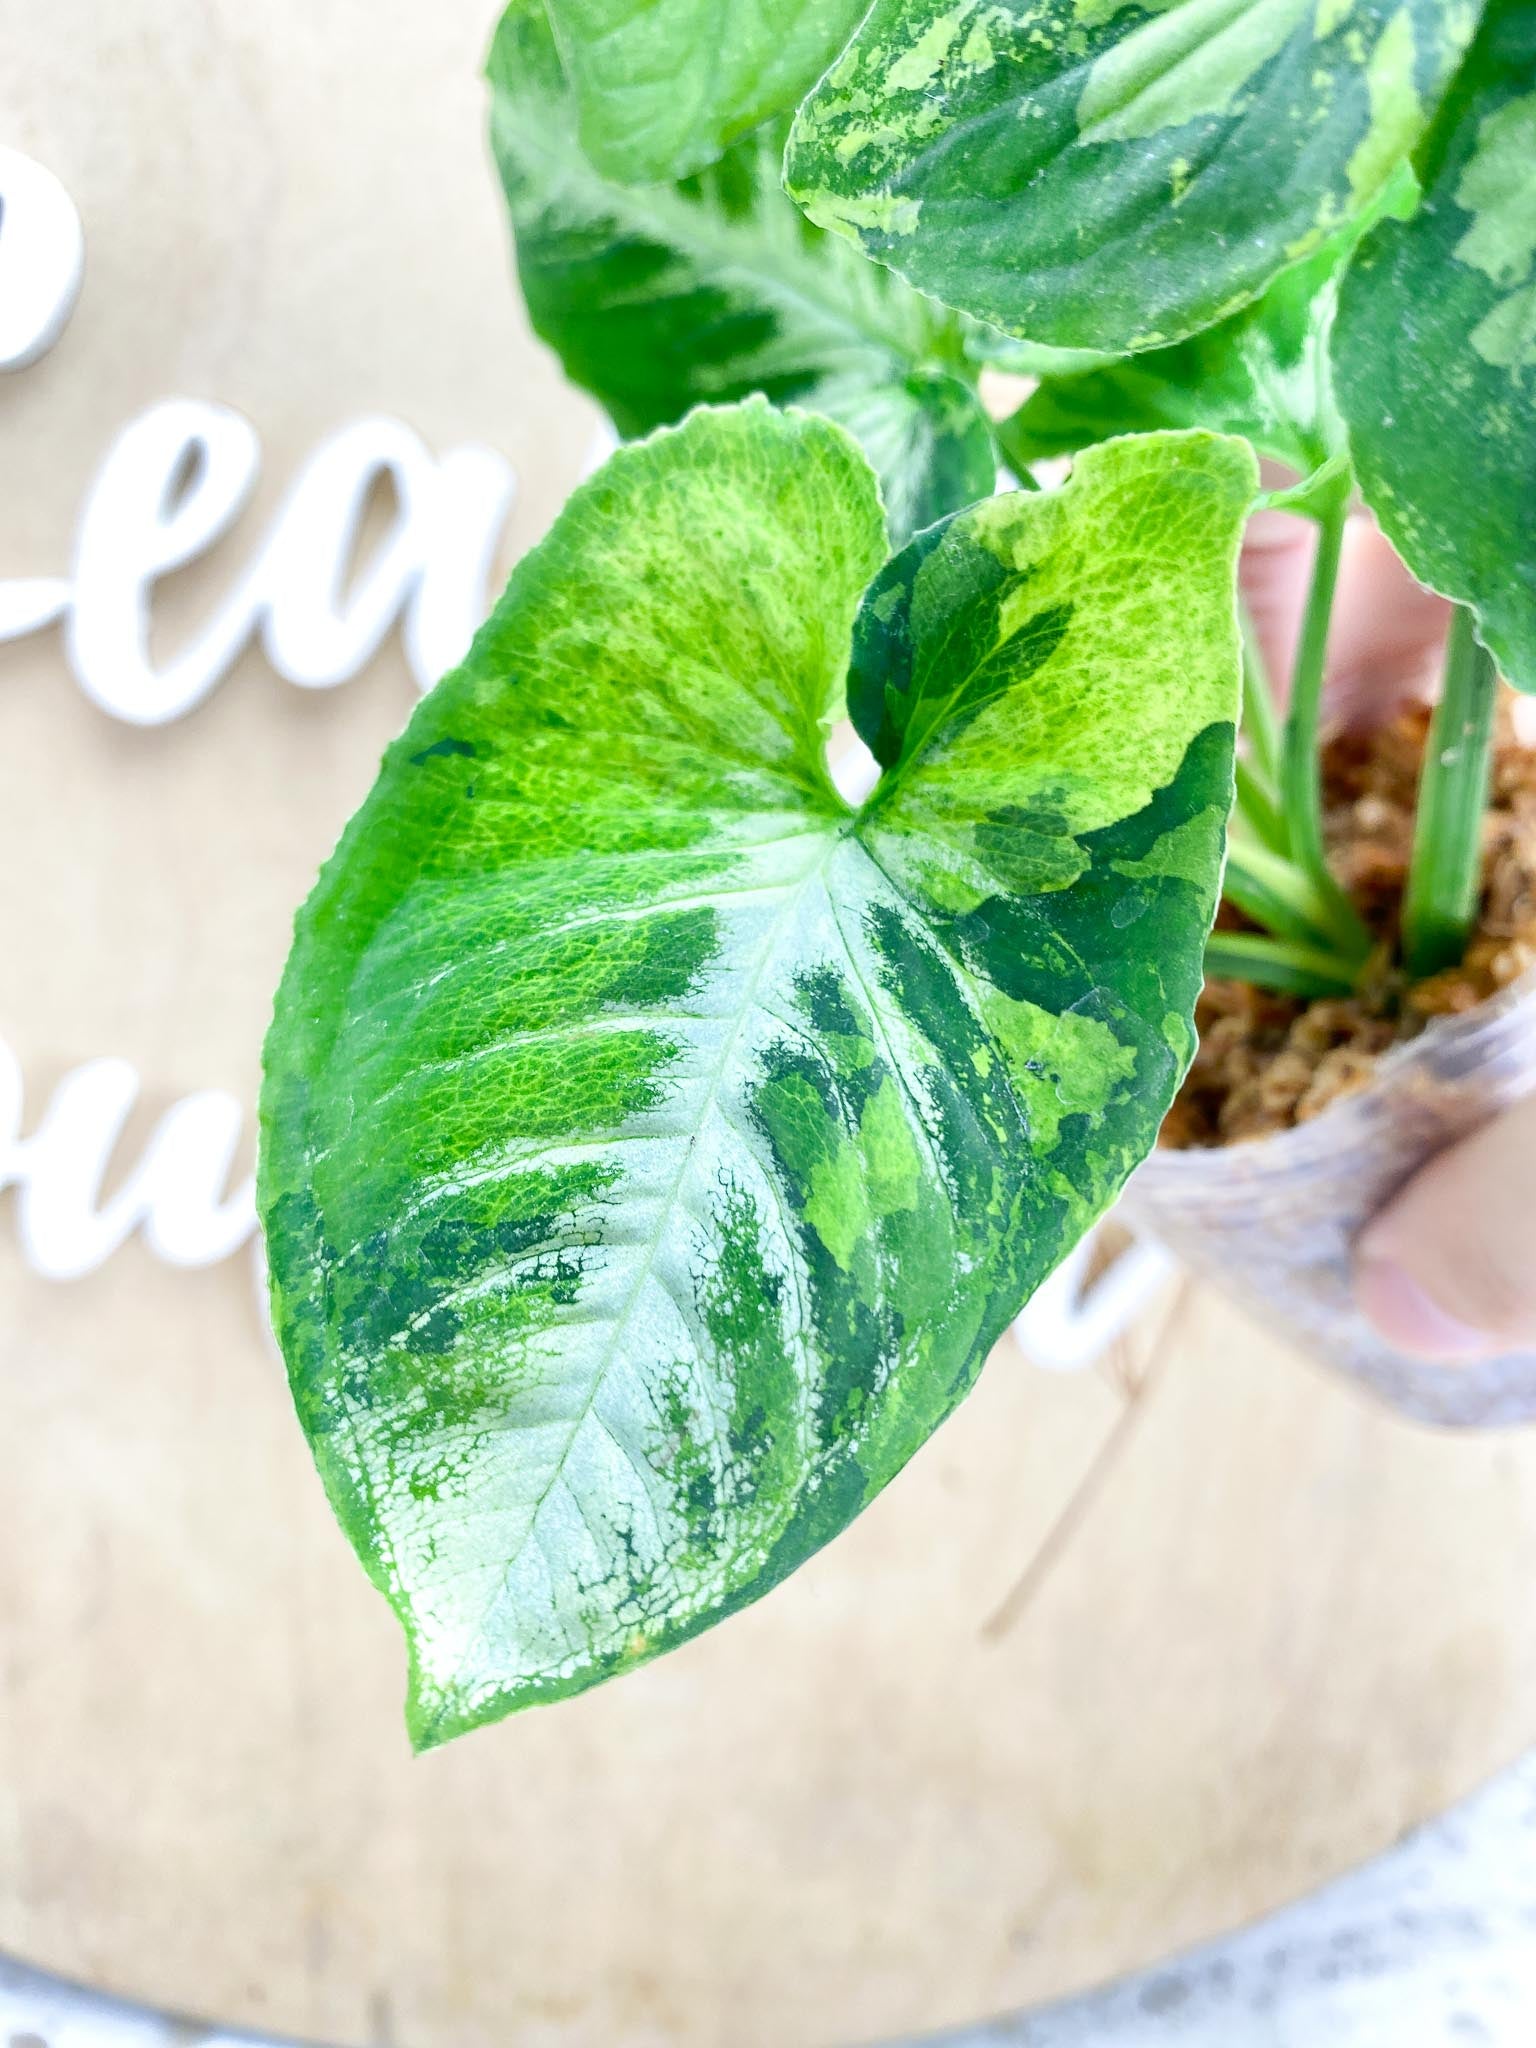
(1268, 1061)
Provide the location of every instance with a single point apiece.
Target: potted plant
(654, 1143)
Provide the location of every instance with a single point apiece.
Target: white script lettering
(173, 484)
(177, 1194)
(42, 259)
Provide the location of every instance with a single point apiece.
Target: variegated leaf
(660, 299)
(1435, 350)
(652, 1147)
(1115, 174)
(664, 86)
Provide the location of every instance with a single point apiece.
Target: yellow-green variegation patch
(711, 289)
(652, 1146)
(1435, 350)
(1115, 174)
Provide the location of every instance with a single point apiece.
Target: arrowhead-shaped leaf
(716, 288)
(1102, 174)
(664, 86)
(652, 1147)
(1435, 350)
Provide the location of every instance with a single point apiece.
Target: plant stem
(1445, 870)
(1006, 433)
(1257, 808)
(1261, 721)
(1328, 481)
(1276, 894)
(1294, 969)
(1301, 782)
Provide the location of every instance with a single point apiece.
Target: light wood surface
(1277, 1629)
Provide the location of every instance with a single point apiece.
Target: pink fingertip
(1392, 1300)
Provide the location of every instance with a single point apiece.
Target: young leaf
(1262, 373)
(653, 1148)
(710, 290)
(1099, 174)
(663, 87)
(1435, 351)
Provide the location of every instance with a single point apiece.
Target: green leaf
(710, 290)
(652, 1147)
(1435, 351)
(1263, 373)
(1098, 174)
(664, 86)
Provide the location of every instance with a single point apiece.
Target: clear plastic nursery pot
(1273, 1221)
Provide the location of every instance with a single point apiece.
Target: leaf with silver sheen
(652, 1146)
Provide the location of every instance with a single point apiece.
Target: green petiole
(1014, 449)
(1314, 494)
(1258, 810)
(1261, 720)
(1284, 964)
(1276, 894)
(1301, 791)
(1445, 869)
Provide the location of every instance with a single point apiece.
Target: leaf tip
(435, 1715)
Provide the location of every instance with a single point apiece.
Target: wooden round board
(1124, 1658)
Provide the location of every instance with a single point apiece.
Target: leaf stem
(1445, 869)
(1275, 893)
(1261, 721)
(1327, 484)
(1258, 810)
(1284, 964)
(1301, 782)
(1014, 449)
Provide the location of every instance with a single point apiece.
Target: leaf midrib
(913, 750)
(838, 829)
